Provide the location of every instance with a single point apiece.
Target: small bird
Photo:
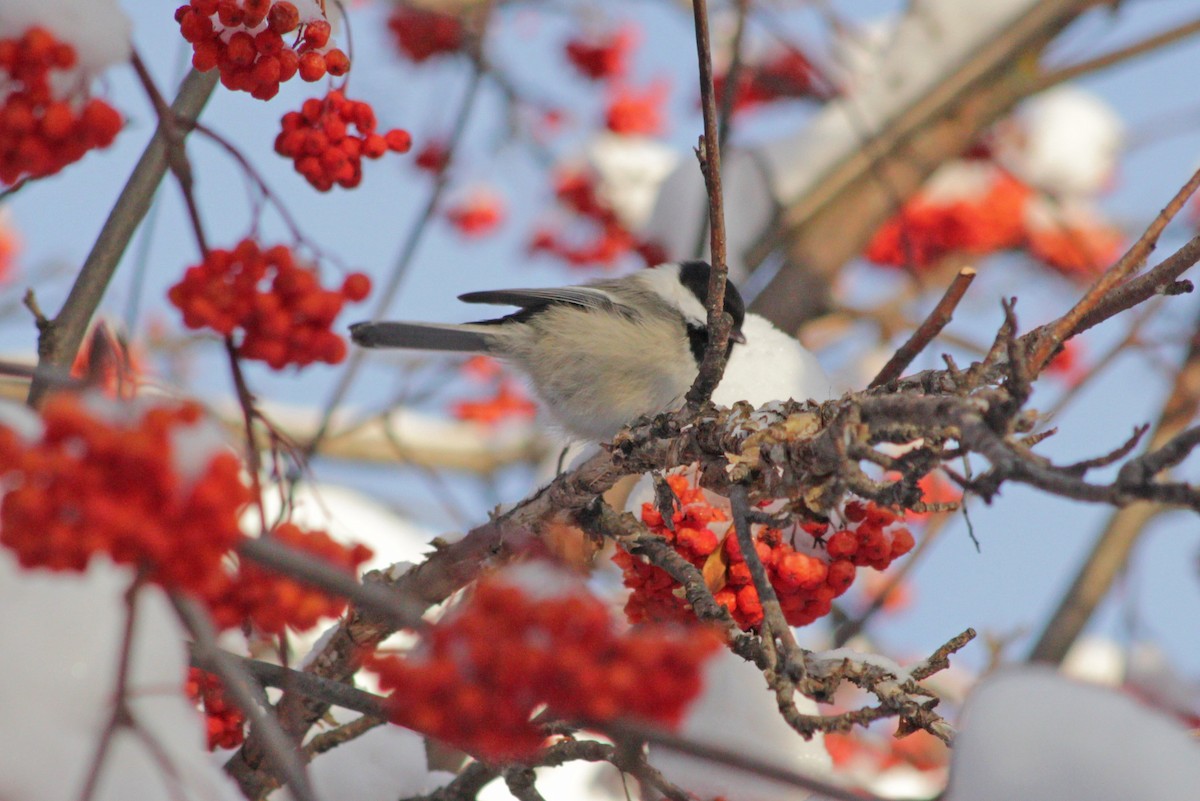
(599, 355)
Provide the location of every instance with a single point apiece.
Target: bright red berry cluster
(42, 132)
(974, 207)
(433, 157)
(805, 577)
(421, 33)
(508, 402)
(478, 214)
(986, 215)
(872, 538)
(576, 191)
(224, 723)
(93, 485)
(274, 300)
(786, 74)
(507, 652)
(271, 601)
(244, 39)
(604, 57)
(319, 140)
(633, 112)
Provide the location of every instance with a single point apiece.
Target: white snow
(631, 170)
(21, 420)
(541, 580)
(1067, 144)
(61, 635)
(1030, 734)
(97, 29)
(737, 711)
(386, 763)
(194, 446)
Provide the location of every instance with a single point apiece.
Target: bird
(599, 355)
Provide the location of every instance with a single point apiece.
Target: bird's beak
(737, 336)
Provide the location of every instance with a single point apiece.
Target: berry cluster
(508, 402)
(318, 139)
(806, 577)
(511, 650)
(225, 724)
(421, 33)
(602, 58)
(271, 601)
(41, 131)
(477, 214)
(283, 313)
(784, 75)
(244, 39)
(433, 157)
(576, 191)
(872, 538)
(636, 113)
(91, 485)
(974, 207)
(110, 478)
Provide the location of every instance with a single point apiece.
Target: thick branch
(60, 338)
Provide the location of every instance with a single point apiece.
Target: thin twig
(240, 688)
(927, 330)
(394, 607)
(1131, 262)
(712, 365)
(1141, 47)
(120, 717)
(746, 763)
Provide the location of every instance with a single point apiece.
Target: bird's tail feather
(420, 336)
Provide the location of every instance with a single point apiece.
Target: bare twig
(1067, 325)
(712, 365)
(1141, 47)
(396, 608)
(279, 750)
(927, 330)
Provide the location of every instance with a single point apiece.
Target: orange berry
(316, 34)
(283, 17)
(337, 63)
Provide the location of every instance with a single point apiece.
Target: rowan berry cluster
(318, 139)
(92, 485)
(975, 207)
(806, 577)
(224, 723)
(786, 74)
(511, 650)
(41, 129)
(477, 214)
(576, 191)
(508, 402)
(244, 40)
(604, 57)
(271, 601)
(421, 33)
(633, 112)
(275, 301)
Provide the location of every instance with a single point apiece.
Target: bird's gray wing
(584, 296)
